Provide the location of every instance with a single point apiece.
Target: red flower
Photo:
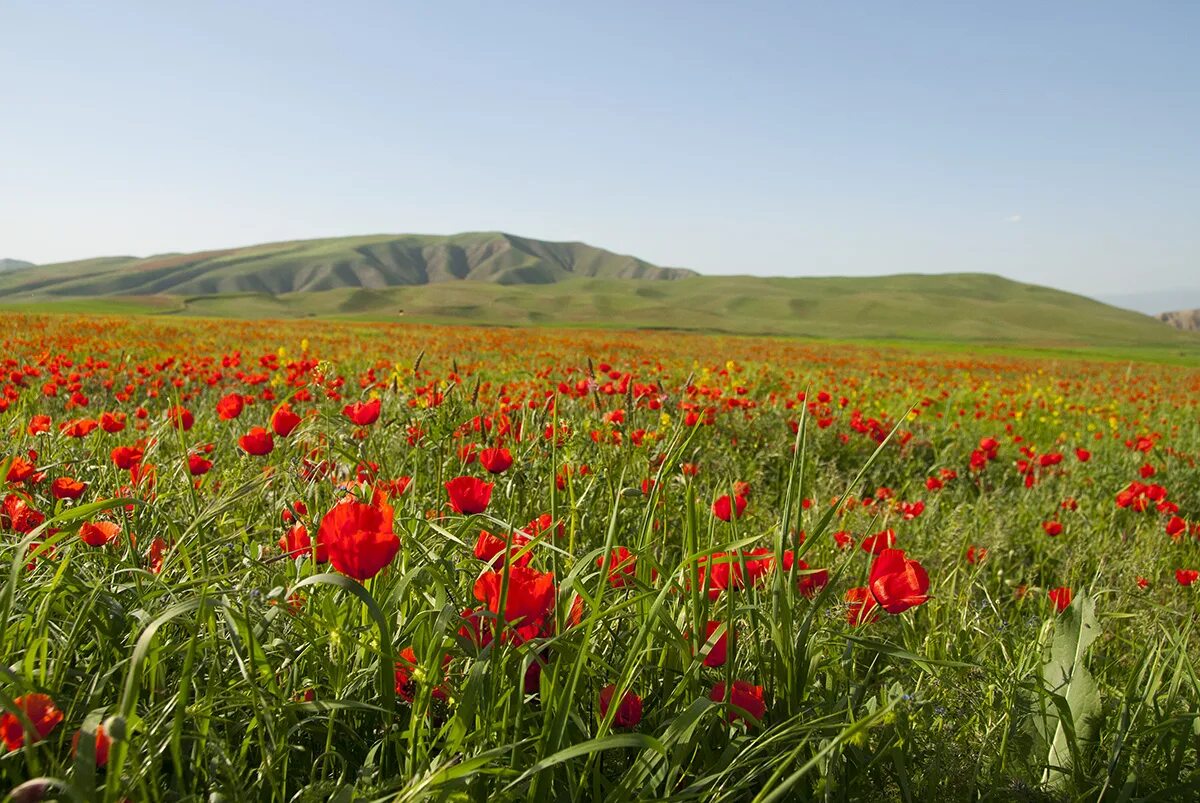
(103, 743)
(20, 469)
(40, 710)
(126, 457)
(1083, 455)
(496, 461)
(488, 547)
(283, 420)
(361, 413)
(257, 442)
(406, 667)
(898, 583)
(622, 567)
(99, 533)
(1052, 528)
(629, 710)
(469, 494)
(296, 543)
(746, 701)
(38, 424)
(67, 488)
(719, 572)
(528, 602)
(810, 581)
(180, 418)
(358, 538)
(230, 407)
(198, 465)
(1185, 577)
(726, 509)
(875, 544)
(1176, 527)
(720, 648)
(862, 606)
(1061, 597)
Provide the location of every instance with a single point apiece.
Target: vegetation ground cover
(309, 560)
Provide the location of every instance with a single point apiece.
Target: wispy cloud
(1014, 218)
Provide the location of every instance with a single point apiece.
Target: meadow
(310, 560)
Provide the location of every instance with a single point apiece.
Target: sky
(1056, 143)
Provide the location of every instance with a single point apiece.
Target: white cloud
(1014, 218)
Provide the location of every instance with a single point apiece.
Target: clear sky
(1056, 142)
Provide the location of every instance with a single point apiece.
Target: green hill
(317, 265)
(500, 279)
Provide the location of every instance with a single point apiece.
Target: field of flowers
(310, 560)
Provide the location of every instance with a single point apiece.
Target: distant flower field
(308, 561)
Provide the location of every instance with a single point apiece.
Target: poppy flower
(528, 602)
(898, 583)
(810, 581)
(496, 461)
(719, 572)
(40, 710)
(1185, 577)
(230, 407)
(112, 422)
(358, 538)
(103, 743)
(257, 442)
(746, 701)
(407, 668)
(197, 465)
(1052, 528)
(622, 567)
(629, 710)
(283, 420)
(20, 469)
(719, 652)
(1061, 597)
(18, 515)
(862, 606)
(469, 494)
(180, 418)
(363, 413)
(296, 543)
(489, 547)
(38, 424)
(1176, 527)
(727, 509)
(877, 543)
(126, 457)
(67, 488)
(99, 533)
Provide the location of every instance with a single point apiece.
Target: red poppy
(489, 547)
(469, 494)
(719, 572)
(38, 424)
(359, 538)
(112, 422)
(745, 699)
(529, 598)
(1083, 455)
(898, 583)
(629, 710)
(99, 533)
(296, 543)
(40, 710)
(20, 469)
(230, 407)
(283, 420)
(810, 581)
(180, 418)
(257, 442)
(103, 743)
(1176, 527)
(18, 515)
(496, 461)
(726, 509)
(720, 648)
(406, 668)
(622, 567)
(126, 457)
(1061, 597)
(875, 544)
(862, 606)
(1052, 528)
(363, 413)
(67, 488)
(197, 465)
(1185, 577)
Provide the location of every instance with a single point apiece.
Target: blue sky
(1049, 142)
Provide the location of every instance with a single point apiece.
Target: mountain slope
(14, 264)
(1186, 319)
(372, 262)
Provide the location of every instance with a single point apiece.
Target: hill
(14, 264)
(306, 266)
(1187, 319)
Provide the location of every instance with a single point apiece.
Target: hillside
(14, 264)
(1187, 320)
(306, 266)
